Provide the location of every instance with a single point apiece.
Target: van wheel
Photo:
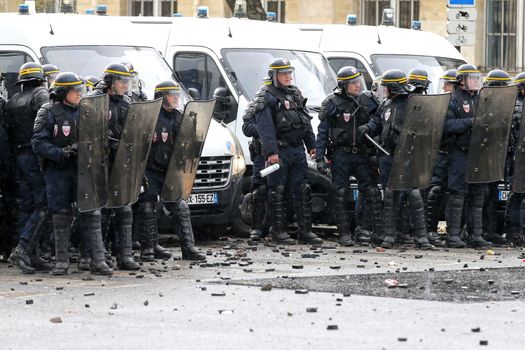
(242, 224)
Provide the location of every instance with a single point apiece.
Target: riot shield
(416, 152)
(92, 190)
(490, 134)
(187, 151)
(132, 154)
(518, 177)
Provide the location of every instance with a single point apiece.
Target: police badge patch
(66, 129)
(387, 114)
(155, 138)
(55, 130)
(287, 104)
(466, 106)
(346, 117)
(164, 135)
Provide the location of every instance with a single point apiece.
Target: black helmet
(50, 69)
(222, 103)
(131, 69)
(450, 76)
(418, 78)
(519, 80)
(497, 77)
(347, 74)
(469, 77)
(64, 83)
(221, 95)
(115, 71)
(395, 80)
(91, 81)
(166, 87)
(279, 65)
(30, 71)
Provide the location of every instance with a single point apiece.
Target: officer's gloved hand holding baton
(70, 151)
(362, 130)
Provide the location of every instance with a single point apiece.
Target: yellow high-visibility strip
(280, 67)
(117, 72)
(400, 80)
(51, 72)
(468, 71)
(522, 80)
(267, 83)
(350, 77)
(167, 88)
(495, 78)
(448, 78)
(68, 84)
(30, 70)
(419, 77)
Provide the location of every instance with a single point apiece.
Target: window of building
(277, 6)
(501, 40)
(168, 8)
(406, 12)
(141, 8)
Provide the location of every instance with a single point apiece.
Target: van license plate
(203, 198)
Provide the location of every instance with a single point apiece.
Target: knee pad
(183, 209)
(277, 193)
(414, 199)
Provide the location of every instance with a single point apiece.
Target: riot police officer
(50, 73)
(418, 78)
(496, 77)
(55, 140)
(168, 125)
(33, 217)
(516, 203)
(458, 125)
(222, 108)
(389, 122)
(436, 197)
(135, 89)
(342, 113)
(283, 125)
(91, 81)
(115, 82)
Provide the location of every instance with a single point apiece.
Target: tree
(254, 9)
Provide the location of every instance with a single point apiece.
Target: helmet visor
(473, 81)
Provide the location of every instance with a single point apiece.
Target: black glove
(363, 129)
(322, 166)
(70, 151)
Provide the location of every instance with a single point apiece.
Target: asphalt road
(262, 296)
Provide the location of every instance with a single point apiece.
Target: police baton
(377, 145)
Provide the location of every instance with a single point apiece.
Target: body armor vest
(163, 141)
(22, 116)
(392, 116)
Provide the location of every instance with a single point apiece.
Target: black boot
(148, 230)
(475, 205)
(416, 206)
(343, 217)
(105, 224)
(62, 227)
(20, 258)
(433, 212)
(187, 240)
(277, 216)
(84, 262)
(160, 251)
(92, 220)
(123, 220)
(389, 229)
(42, 228)
(303, 210)
(258, 212)
(361, 233)
(135, 244)
(454, 213)
(373, 211)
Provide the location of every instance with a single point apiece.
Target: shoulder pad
(40, 96)
(324, 106)
(371, 99)
(249, 112)
(259, 101)
(41, 117)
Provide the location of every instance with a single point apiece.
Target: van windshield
(312, 74)
(435, 66)
(91, 60)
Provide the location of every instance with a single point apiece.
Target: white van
(207, 53)
(85, 44)
(373, 50)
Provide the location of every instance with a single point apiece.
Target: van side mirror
(194, 93)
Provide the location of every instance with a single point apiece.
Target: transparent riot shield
(416, 152)
(132, 154)
(187, 151)
(490, 134)
(92, 190)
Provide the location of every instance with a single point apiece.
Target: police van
(85, 44)
(232, 53)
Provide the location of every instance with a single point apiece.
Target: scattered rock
(114, 306)
(146, 303)
(483, 342)
(476, 330)
(220, 294)
(267, 287)
(301, 291)
(311, 309)
(55, 320)
(332, 327)
(89, 294)
(29, 301)
(297, 267)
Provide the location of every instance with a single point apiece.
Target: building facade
(499, 35)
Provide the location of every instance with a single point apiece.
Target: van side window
(339, 62)
(198, 71)
(10, 62)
